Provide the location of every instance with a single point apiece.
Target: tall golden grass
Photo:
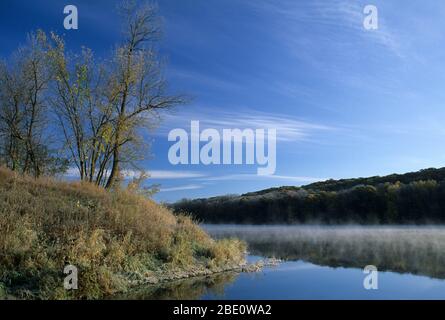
(110, 237)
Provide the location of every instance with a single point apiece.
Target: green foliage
(417, 197)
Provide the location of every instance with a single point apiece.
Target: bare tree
(103, 107)
(83, 116)
(36, 76)
(11, 117)
(24, 113)
(137, 89)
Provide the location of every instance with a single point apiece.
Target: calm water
(325, 263)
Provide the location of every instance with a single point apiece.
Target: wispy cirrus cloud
(254, 177)
(329, 39)
(211, 180)
(182, 188)
(172, 174)
(289, 129)
(153, 174)
(342, 17)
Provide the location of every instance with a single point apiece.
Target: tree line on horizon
(60, 109)
(419, 199)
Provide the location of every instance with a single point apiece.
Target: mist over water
(323, 262)
(403, 249)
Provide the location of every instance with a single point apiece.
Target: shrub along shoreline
(116, 239)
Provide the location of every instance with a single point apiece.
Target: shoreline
(174, 275)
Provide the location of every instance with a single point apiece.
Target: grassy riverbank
(115, 239)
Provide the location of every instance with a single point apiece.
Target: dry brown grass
(109, 236)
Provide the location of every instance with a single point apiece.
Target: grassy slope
(110, 237)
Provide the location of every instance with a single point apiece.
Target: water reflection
(415, 250)
(323, 263)
(187, 289)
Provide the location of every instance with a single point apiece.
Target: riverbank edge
(170, 276)
(196, 272)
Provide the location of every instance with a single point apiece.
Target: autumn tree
(82, 110)
(24, 84)
(136, 85)
(103, 108)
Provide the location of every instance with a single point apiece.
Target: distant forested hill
(415, 197)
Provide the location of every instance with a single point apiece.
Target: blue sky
(346, 102)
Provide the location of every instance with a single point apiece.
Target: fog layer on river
(403, 249)
(324, 263)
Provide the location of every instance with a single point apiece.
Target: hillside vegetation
(415, 197)
(114, 238)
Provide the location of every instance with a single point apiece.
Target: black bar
(164, 310)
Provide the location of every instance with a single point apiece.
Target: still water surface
(325, 263)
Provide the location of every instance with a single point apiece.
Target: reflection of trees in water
(400, 249)
(187, 289)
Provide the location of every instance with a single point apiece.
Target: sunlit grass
(111, 237)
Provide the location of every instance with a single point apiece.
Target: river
(324, 263)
